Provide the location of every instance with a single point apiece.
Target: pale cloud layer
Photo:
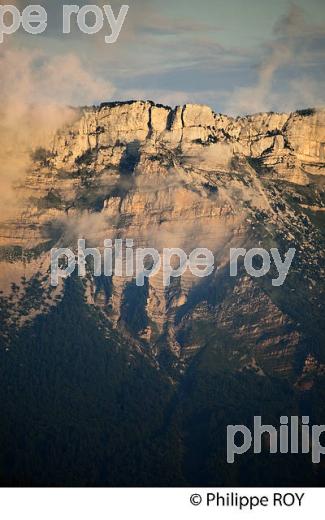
(36, 93)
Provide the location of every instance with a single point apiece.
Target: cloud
(294, 46)
(92, 227)
(218, 155)
(37, 93)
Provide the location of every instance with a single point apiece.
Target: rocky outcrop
(291, 145)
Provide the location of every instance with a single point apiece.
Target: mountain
(107, 383)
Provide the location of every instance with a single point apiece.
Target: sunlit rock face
(182, 177)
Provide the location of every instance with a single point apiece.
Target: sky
(238, 56)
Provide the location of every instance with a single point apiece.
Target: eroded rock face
(282, 142)
(183, 177)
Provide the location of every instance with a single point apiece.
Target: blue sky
(238, 56)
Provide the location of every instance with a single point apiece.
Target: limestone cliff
(184, 177)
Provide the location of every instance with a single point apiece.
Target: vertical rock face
(291, 145)
(184, 177)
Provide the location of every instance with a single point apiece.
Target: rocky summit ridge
(182, 177)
